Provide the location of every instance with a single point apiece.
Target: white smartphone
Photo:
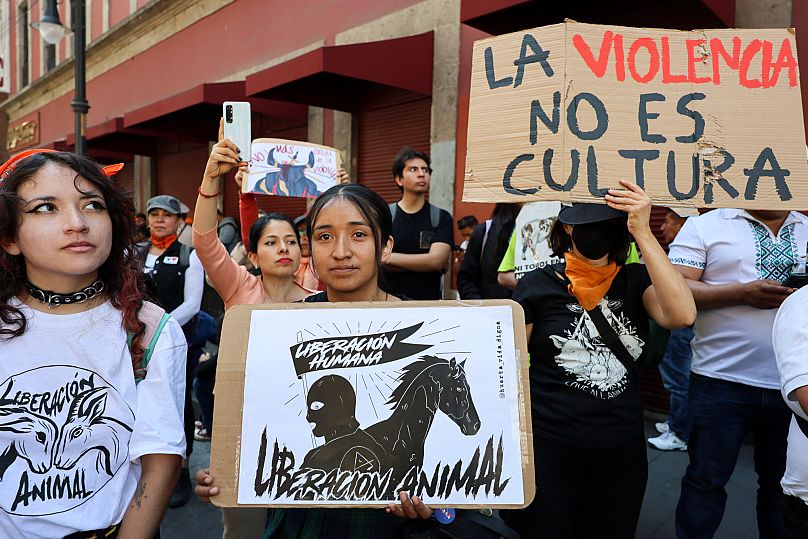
(238, 126)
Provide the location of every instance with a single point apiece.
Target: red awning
(336, 77)
(504, 16)
(194, 114)
(110, 138)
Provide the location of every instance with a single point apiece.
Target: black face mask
(596, 240)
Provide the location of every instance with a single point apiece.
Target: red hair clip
(8, 166)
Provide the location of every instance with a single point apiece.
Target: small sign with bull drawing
(346, 405)
(289, 168)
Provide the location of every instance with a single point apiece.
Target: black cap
(301, 219)
(581, 214)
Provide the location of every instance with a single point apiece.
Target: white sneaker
(668, 442)
(662, 428)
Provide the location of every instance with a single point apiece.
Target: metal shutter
(180, 173)
(389, 121)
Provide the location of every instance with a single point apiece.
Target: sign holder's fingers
(406, 504)
(421, 508)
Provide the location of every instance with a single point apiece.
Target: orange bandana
(163, 243)
(588, 283)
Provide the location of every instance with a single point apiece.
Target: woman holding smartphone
(274, 248)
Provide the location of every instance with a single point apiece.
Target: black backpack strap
(185, 255)
(802, 424)
(613, 342)
(434, 216)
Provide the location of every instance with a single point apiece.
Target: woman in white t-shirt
(85, 450)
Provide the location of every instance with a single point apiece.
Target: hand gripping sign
(708, 118)
(347, 405)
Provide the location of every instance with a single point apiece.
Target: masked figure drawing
(331, 404)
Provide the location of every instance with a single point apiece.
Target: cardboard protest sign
(346, 405)
(708, 118)
(292, 169)
(533, 225)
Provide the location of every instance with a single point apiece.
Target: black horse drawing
(426, 386)
(290, 180)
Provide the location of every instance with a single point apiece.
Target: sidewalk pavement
(665, 469)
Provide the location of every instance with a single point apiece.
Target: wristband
(203, 195)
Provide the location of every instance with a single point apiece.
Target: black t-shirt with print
(580, 392)
(413, 234)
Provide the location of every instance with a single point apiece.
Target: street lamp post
(79, 104)
(51, 29)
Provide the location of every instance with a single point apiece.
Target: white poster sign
(289, 168)
(533, 226)
(351, 406)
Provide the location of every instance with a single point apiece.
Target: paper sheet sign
(346, 405)
(533, 225)
(290, 168)
(708, 118)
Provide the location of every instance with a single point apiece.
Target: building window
(50, 56)
(23, 44)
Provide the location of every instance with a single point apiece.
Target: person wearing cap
(587, 323)
(675, 365)
(175, 279)
(735, 262)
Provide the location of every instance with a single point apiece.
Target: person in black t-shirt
(589, 445)
(477, 278)
(422, 232)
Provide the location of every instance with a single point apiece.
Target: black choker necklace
(54, 299)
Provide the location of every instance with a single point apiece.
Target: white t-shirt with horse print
(73, 423)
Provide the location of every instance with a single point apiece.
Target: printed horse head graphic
(425, 386)
(87, 429)
(26, 435)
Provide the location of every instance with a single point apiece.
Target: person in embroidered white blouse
(735, 262)
(91, 388)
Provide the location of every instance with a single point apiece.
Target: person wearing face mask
(587, 322)
(331, 404)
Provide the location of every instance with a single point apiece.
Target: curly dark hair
(120, 272)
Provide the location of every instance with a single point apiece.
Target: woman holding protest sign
(587, 325)
(273, 246)
(350, 229)
(93, 376)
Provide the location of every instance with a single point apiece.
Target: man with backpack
(422, 232)
(175, 280)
